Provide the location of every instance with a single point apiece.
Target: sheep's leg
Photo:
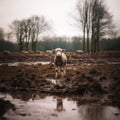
(62, 71)
(56, 72)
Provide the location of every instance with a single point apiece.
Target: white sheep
(60, 62)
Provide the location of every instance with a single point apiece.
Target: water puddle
(48, 62)
(25, 63)
(40, 107)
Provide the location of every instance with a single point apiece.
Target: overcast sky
(57, 12)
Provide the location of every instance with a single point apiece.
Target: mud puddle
(25, 63)
(49, 62)
(40, 107)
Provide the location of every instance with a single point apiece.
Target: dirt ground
(92, 76)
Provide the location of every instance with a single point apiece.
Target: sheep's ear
(53, 51)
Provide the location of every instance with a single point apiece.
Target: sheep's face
(59, 53)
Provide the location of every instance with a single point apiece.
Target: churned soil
(93, 76)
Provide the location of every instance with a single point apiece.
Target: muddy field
(92, 77)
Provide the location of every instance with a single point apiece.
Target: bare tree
(101, 23)
(88, 22)
(39, 25)
(96, 22)
(84, 18)
(17, 28)
(81, 19)
(29, 30)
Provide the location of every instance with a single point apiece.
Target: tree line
(46, 43)
(69, 44)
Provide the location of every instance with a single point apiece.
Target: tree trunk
(84, 38)
(27, 46)
(98, 35)
(88, 50)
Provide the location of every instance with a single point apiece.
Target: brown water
(48, 62)
(40, 107)
(26, 63)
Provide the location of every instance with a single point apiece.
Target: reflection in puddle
(40, 107)
(97, 112)
(59, 105)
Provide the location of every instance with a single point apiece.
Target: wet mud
(29, 105)
(92, 77)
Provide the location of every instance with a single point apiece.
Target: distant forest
(52, 43)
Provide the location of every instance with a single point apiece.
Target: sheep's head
(58, 52)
